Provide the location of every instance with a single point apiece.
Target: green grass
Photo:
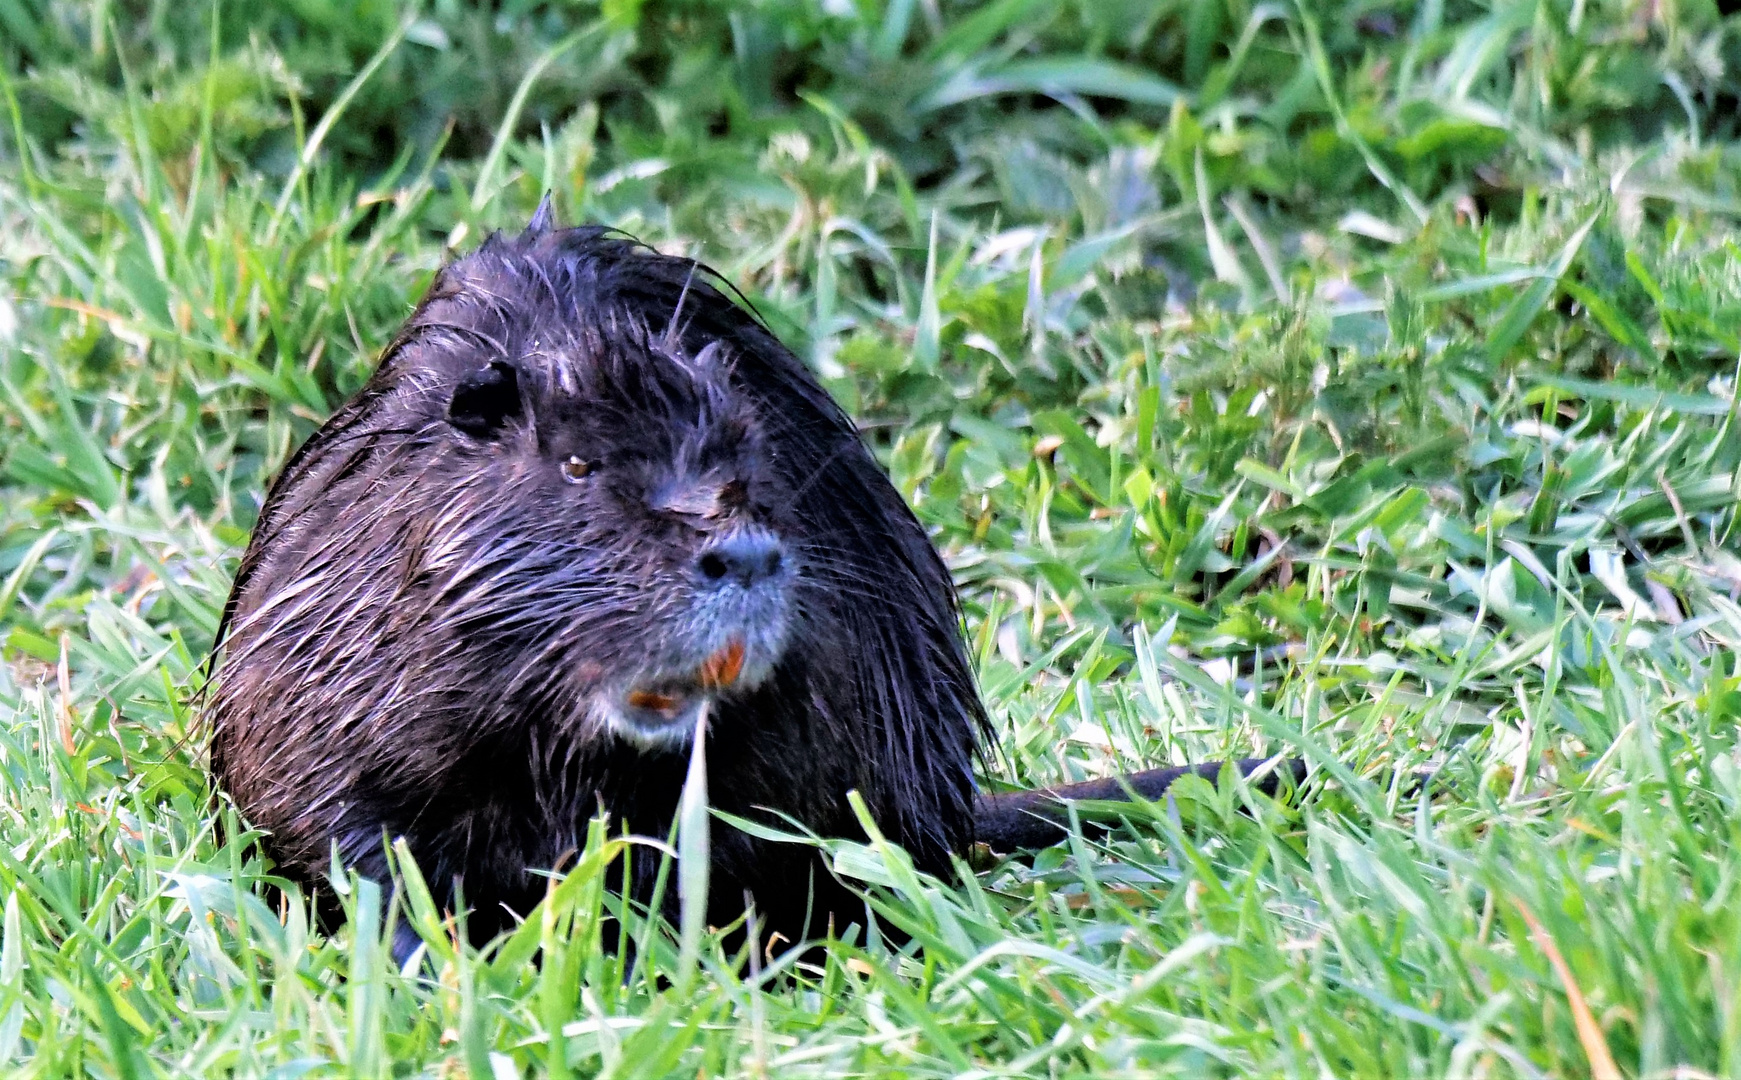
(1352, 381)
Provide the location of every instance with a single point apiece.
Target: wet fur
(423, 619)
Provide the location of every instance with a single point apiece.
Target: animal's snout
(746, 558)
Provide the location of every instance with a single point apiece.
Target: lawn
(1354, 381)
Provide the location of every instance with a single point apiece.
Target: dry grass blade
(1590, 1035)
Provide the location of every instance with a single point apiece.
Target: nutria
(584, 495)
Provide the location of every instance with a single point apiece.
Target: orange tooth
(646, 699)
(723, 668)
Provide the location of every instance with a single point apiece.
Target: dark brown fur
(436, 625)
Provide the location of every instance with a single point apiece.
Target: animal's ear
(543, 218)
(485, 399)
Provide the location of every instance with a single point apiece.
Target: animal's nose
(745, 558)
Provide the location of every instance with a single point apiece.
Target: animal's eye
(575, 469)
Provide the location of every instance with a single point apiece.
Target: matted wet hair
(475, 595)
